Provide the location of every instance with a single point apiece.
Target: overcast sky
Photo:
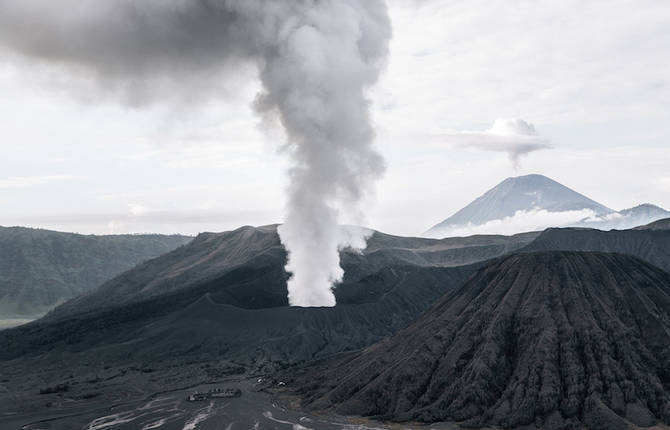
(588, 84)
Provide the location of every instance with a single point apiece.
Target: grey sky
(512, 136)
(592, 77)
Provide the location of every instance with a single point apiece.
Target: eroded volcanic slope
(246, 267)
(552, 339)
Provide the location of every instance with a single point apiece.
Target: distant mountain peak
(639, 215)
(526, 193)
(530, 177)
(645, 208)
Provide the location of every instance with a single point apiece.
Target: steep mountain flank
(551, 339)
(40, 268)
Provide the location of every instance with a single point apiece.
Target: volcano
(522, 194)
(223, 296)
(547, 339)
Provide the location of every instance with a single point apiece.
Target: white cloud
(354, 237)
(32, 181)
(514, 137)
(521, 221)
(603, 219)
(664, 183)
(462, 63)
(137, 209)
(148, 221)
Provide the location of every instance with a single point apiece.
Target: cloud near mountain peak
(512, 136)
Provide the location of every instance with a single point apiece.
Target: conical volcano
(520, 194)
(550, 339)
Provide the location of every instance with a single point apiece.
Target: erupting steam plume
(317, 82)
(315, 60)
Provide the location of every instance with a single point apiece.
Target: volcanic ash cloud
(316, 59)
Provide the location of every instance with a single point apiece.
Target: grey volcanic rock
(522, 193)
(551, 339)
(256, 254)
(40, 268)
(200, 323)
(270, 338)
(651, 245)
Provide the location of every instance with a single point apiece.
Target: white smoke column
(316, 60)
(316, 80)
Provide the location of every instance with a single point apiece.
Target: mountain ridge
(212, 255)
(652, 246)
(41, 268)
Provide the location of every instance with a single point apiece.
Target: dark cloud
(141, 50)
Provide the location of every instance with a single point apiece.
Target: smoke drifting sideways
(316, 60)
(515, 137)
